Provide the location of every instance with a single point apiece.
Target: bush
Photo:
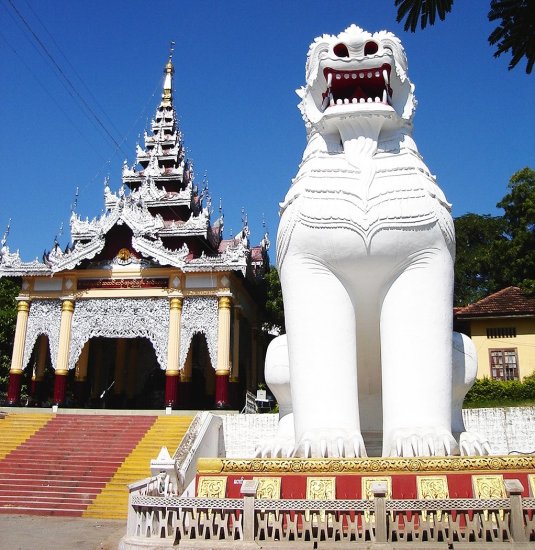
(488, 392)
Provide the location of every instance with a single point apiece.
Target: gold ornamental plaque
(488, 486)
(321, 488)
(212, 487)
(268, 488)
(432, 487)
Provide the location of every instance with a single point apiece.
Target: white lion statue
(365, 252)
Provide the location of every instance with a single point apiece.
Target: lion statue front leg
(326, 406)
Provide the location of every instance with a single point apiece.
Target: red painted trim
(221, 391)
(171, 391)
(60, 384)
(13, 390)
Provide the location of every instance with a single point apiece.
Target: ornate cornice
(161, 254)
(12, 266)
(59, 261)
(365, 465)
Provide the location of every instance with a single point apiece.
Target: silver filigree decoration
(44, 318)
(199, 315)
(121, 318)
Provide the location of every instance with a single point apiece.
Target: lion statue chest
(336, 208)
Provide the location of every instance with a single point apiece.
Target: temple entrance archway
(39, 372)
(198, 391)
(123, 373)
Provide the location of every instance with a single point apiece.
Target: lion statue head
(356, 73)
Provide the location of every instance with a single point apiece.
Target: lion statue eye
(370, 48)
(340, 50)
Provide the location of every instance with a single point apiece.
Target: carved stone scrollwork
(121, 318)
(199, 315)
(44, 318)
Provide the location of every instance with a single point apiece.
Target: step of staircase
(72, 465)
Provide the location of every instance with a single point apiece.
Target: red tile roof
(510, 301)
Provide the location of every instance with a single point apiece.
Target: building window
(501, 332)
(503, 364)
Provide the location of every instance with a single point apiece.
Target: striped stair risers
(65, 462)
(112, 501)
(15, 429)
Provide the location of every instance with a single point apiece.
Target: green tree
(519, 215)
(478, 270)
(274, 304)
(515, 31)
(9, 290)
(494, 252)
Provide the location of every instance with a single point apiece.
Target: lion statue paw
(283, 444)
(330, 443)
(473, 444)
(423, 442)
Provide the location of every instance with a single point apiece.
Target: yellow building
(502, 327)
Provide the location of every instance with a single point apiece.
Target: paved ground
(51, 533)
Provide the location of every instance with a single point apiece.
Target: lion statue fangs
(365, 252)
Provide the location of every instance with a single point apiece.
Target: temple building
(149, 305)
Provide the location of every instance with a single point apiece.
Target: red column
(221, 389)
(37, 389)
(13, 389)
(171, 388)
(60, 384)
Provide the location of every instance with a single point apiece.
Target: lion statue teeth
(365, 252)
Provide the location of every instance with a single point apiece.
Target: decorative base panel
(406, 478)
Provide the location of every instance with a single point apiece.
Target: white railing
(445, 523)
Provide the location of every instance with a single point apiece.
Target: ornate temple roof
(166, 217)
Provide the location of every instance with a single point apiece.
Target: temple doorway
(197, 388)
(123, 373)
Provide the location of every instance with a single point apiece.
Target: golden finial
(169, 71)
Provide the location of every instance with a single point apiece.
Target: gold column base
(172, 373)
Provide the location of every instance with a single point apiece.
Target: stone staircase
(112, 502)
(73, 465)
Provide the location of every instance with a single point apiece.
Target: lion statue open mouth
(365, 252)
(356, 68)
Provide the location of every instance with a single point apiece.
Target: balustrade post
(379, 490)
(131, 521)
(514, 490)
(248, 490)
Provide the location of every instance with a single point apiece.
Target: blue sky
(237, 65)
